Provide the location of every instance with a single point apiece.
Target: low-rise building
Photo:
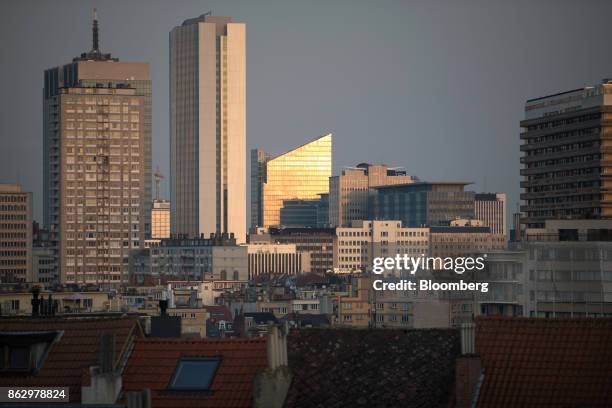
(267, 258)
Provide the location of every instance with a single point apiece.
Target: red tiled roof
(68, 360)
(536, 362)
(154, 360)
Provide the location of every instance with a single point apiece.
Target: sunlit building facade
(97, 162)
(160, 219)
(208, 127)
(300, 174)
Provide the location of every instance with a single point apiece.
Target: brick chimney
(272, 384)
(468, 369)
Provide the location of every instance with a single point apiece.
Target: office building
(491, 209)
(15, 234)
(568, 269)
(97, 170)
(190, 259)
(300, 174)
(355, 247)
(351, 195)
(160, 219)
(460, 241)
(276, 259)
(317, 243)
(567, 156)
(421, 204)
(208, 127)
(305, 213)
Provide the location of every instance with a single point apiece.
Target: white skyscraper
(208, 127)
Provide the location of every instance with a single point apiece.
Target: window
(194, 374)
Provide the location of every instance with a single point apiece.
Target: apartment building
(15, 234)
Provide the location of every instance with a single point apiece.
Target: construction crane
(158, 178)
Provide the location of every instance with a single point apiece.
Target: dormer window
(24, 352)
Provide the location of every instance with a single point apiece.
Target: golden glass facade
(302, 173)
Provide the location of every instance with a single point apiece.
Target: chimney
(107, 352)
(35, 301)
(105, 382)
(272, 384)
(163, 306)
(468, 370)
(138, 399)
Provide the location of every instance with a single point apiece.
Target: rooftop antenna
(96, 45)
(158, 178)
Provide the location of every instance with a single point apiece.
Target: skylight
(194, 374)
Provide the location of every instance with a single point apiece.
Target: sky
(437, 87)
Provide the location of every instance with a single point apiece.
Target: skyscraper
(208, 127)
(300, 174)
(567, 156)
(97, 164)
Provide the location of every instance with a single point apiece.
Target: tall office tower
(259, 158)
(160, 219)
(567, 156)
(208, 127)
(15, 234)
(424, 203)
(97, 164)
(299, 174)
(351, 194)
(491, 209)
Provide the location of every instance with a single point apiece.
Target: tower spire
(96, 45)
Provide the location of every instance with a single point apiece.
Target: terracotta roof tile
(68, 361)
(371, 368)
(540, 362)
(153, 362)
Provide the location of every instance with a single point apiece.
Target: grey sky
(435, 86)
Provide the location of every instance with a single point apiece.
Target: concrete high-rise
(299, 174)
(15, 234)
(491, 209)
(208, 127)
(97, 164)
(351, 195)
(567, 156)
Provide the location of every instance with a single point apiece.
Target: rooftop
(539, 362)
(154, 361)
(68, 360)
(377, 368)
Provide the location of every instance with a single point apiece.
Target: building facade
(160, 219)
(276, 259)
(351, 195)
(567, 156)
(318, 243)
(423, 203)
(97, 164)
(190, 259)
(15, 234)
(568, 269)
(208, 127)
(464, 241)
(355, 247)
(491, 209)
(300, 174)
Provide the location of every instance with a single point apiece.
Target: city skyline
(401, 95)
